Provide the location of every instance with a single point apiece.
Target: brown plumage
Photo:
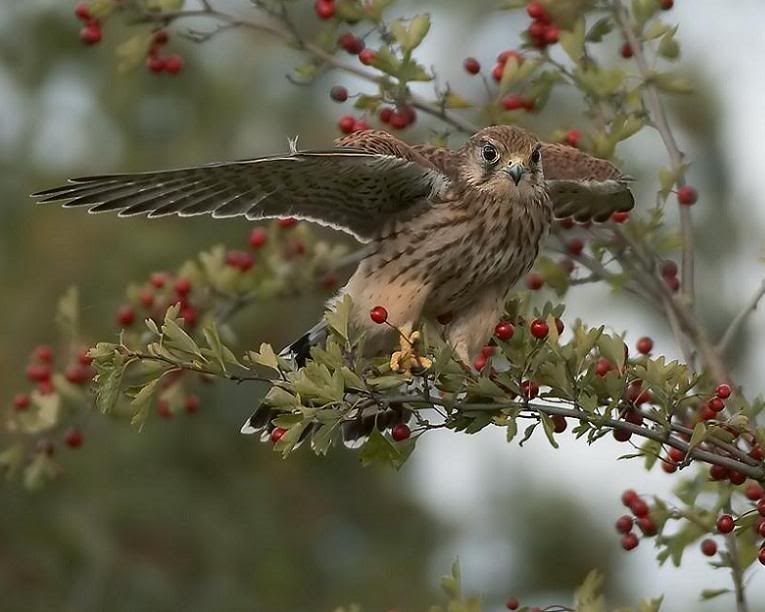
(449, 230)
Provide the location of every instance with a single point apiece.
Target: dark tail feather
(357, 430)
(299, 352)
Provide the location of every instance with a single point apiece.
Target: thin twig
(737, 572)
(739, 320)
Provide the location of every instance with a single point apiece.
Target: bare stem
(739, 320)
(737, 572)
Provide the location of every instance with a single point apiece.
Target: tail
(299, 352)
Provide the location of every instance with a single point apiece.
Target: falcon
(448, 231)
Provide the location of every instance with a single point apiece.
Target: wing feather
(355, 189)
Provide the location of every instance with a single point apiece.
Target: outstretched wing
(580, 185)
(353, 189)
(583, 186)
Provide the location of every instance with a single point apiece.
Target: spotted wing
(583, 186)
(353, 189)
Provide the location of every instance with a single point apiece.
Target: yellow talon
(406, 360)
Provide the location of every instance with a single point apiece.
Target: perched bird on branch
(449, 231)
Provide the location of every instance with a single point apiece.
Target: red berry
(82, 11)
(44, 353)
(622, 435)
(471, 65)
(629, 497)
(761, 556)
(346, 123)
(496, 72)
(559, 423)
(761, 507)
(163, 409)
(479, 363)
(639, 507)
(624, 524)
(45, 387)
(512, 604)
(675, 454)
(725, 523)
(173, 64)
(191, 404)
(360, 126)
(534, 281)
(552, 34)
(126, 315)
(507, 54)
(603, 367)
(400, 432)
(559, 326)
(350, 43)
(687, 195)
(716, 404)
(644, 345)
(513, 102)
(158, 279)
(287, 222)
(378, 314)
(647, 526)
(572, 138)
(629, 541)
(672, 282)
(325, 9)
(338, 93)
(626, 50)
(504, 330)
(240, 259)
(277, 433)
(38, 373)
(666, 4)
(386, 114)
(668, 466)
(367, 56)
(78, 374)
(190, 316)
(723, 391)
(398, 121)
(756, 453)
(74, 438)
(91, 34)
(160, 37)
(537, 12)
(530, 389)
(718, 472)
(567, 265)
(537, 31)
(182, 286)
(669, 268)
(258, 237)
(761, 528)
(620, 217)
(754, 491)
(736, 478)
(709, 547)
(21, 402)
(156, 64)
(539, 328)
(575, 246)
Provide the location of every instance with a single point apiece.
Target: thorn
(293, 145)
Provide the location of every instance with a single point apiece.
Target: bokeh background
(189, 515)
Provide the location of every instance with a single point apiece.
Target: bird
(447, 231)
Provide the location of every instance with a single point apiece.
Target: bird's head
(504, 160)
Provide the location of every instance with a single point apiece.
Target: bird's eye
(489, 153)
(536, 155)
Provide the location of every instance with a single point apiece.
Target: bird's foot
(406, 359)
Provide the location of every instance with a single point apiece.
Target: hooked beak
(514, 171)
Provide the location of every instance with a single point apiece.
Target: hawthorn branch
(191, 367)
(739, 320)
(659, 121)
(290, 37)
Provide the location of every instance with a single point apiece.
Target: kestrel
(449, 231)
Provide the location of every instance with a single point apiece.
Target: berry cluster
(156, 63)
(641, 517)
(91, 32)
(156, 296)
(669, 272)
(542, 32)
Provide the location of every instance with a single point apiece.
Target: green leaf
(379, 449)
(549, 428)
(572, 41)
(278, 397)
(671, 83)
(650, 605)
(410, 36)
(337, 319)
(265, 357)
(712, 593)
(141, 403)
(588, 597)
(512, 429)
(108, 382)
(613, 349)
(453, 100)
(179, 339)
(668, 46)
(599, 29)
(68, 313)
(698, 436)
